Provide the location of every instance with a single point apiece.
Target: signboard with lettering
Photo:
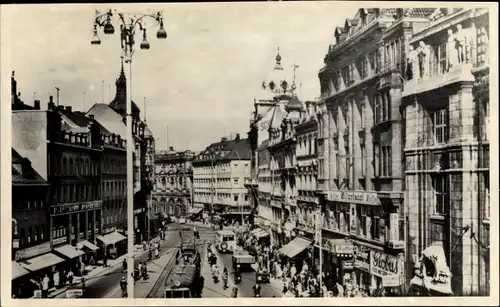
(346, 248)
(75, 207)
(394, 227)
(354, 197)
(353, 217)
(362, 259)
(60, 240)
(383, 264)
(391, 281)
(347, 264)
(32, 251)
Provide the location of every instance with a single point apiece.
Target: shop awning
(195, 210)
(87, 245)
(262, 234)
(293, 248)
(41, 262)
(18, 270)
(111, 238)
(255, 231)
(71, 252)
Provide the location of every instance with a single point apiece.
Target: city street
(174, 240)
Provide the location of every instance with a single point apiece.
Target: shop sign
(394, 227)
(76, 207)
(15, 243)
(391, 281)
(80, 235)
(60, 240)
(347, 264)
(383, 264)
(353, 219)
(362, 259)
(354, 197)
(32, 251)
(344, 248)
(89, 232)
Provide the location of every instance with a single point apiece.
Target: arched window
(70, 166)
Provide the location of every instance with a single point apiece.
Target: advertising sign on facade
(362, 259)
(347, 264)
(354, 197)
(394, 227)
(383, 264)
(76, 207)
(33, 251)
(353, 217)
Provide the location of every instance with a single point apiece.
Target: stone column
(93, 224)
(51, 232)
(77, 228)
(68, 233)
(85, 234)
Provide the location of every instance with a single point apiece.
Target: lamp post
(128, 22)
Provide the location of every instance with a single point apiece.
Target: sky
(200, 82)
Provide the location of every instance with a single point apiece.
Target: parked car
(182, 220)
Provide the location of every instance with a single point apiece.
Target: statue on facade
(411, 63)
(423, 59)
(460, 43)
(451, 50)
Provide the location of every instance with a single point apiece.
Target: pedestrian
(45, 286)
(105, 261)
(70, 276)
(56, 279)
(124, 264)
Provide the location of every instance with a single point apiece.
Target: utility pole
(84, 101)
(167, 139)
(102, 91)
(144, 109)
(57, 96)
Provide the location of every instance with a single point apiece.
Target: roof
(181, 276)
(108, 118)
(23, 173)
(241, 150)
(277, 118)
(294, 103)
(263, 145)
(147, 132)
(420, 12)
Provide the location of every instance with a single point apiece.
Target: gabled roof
(241, 150)
(108, 118)
(277, 118)
(263, 145)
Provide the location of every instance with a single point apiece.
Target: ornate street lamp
(128, 22)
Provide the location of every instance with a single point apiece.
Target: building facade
(446, 113)
(362, 182)
(174, 182)
(219, 175)
(306, 134)
(112, 116)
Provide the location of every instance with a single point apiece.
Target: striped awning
(111, 238)
(295, 247)
(87, 245)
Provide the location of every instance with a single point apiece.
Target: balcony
(460, 73)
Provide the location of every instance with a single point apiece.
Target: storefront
(73, 257)
(114, 243)
(297, 251)
(195, 214)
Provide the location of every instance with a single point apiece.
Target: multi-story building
(149, 178)
(219, 175)
(446, 150)
(363, 150)
(67, 152)
(112, 117)
(172, 194)
(306, 134)
(30, 222)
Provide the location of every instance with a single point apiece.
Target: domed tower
(277, 83)
(119, 103)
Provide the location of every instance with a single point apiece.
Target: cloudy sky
(201, 81)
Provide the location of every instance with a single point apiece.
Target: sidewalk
(142, 288)
(211, 289)
(95, 271)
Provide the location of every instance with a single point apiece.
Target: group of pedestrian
(56, 280)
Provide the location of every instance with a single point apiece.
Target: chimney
(237, 138)
(51, 105)
(223, 139)
(61, 108)
(91, 116)
(68, 108)
(36, 104)
(171, 148)
(13, 87)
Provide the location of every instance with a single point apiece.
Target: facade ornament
(460, 43)
(411, 63)
(451, 50)
(423, 59)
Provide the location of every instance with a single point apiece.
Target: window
(363, 161)
(385, 161)
(246, 197)
(440, 125)
(439, 184)
(363, 67)
(485, 191)
(29, 235)
(236, 181)
(42, 230)
(235, 197)
(382, 107)
(438, 59)
(346, 75)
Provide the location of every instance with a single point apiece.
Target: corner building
(446, 112)
(361, 184)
